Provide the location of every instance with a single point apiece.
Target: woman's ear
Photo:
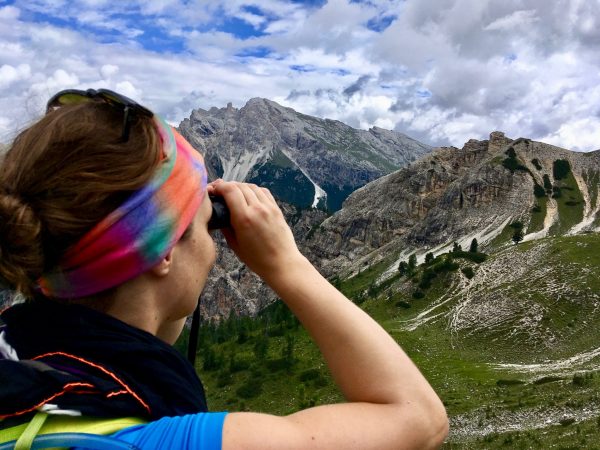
(164, 266)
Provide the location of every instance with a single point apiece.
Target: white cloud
(9, 13)
(108, 70)
(157, 6)
(128, 89)
(444, 71)
(515, 20)
(580, 134)
(59, 80)
(253, 19)
(10, 74)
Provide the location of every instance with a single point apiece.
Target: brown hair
(63, 175)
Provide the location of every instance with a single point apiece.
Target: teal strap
(26, 439)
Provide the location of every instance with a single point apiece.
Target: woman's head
(63, 176)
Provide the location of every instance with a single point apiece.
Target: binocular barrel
(220, 213)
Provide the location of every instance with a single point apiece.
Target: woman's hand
(259, 234)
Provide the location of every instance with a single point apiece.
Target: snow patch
(319, 192)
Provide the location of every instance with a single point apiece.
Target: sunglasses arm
(126, 123)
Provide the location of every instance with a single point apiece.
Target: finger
(249, 193)
(269, 195)
(210, 187)
(215, 182)
(260, 194)
(233, 195)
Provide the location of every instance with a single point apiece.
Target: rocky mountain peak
(305, 160)
(497, 141)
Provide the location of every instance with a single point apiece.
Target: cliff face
(304, 160)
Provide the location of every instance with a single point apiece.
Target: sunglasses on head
(74, 96)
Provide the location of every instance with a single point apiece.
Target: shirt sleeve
(201, 431)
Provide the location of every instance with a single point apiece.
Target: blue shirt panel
(201, 431)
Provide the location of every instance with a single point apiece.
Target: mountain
(481, 191)
(304, 160)
(452, 195)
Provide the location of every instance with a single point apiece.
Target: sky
(440, 71)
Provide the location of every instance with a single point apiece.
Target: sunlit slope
(532, 301)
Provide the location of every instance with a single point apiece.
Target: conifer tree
(474, 245)
(403, 267)
(517, 236)
(288, 351)
(261, 347)
(412, 263)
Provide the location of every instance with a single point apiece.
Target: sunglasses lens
(69, 99)
(112, 100)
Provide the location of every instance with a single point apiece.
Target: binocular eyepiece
(220, 217)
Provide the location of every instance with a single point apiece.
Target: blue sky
(441, 71)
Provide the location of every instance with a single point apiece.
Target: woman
(104, 214)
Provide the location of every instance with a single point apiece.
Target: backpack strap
(63, 441)
(31, 430)
(49, 431)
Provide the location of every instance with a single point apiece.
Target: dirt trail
(567, 365)
(475, 423)
(424, 316)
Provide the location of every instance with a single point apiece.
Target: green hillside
(511, 344)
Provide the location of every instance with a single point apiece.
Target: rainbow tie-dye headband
(137, 235)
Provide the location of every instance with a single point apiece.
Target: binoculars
(220, 213)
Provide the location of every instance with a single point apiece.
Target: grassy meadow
(510, 343)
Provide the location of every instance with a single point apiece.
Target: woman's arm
(390, 404)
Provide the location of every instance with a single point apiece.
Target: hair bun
(21, 254)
